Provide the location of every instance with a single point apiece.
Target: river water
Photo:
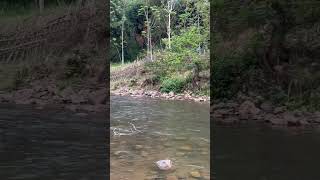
(51, 144)
(262, 153)
(145, 130)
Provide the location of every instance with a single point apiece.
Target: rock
(207, 178)
(53, 89)
(199, 99)
(171, 94)
(72, 108)
(186, 148)
(181, 175)
(229, 120)
(267, 107)
(223, 112)
(39, 107)
(180, 154)
(23, 94)
(274, 120)
(291, 119)
(77, 99)
(229, 105)
(98, 97)
(138, 147)
(92, 108)
(171, 177)
(316, 117)
(6, 98)
(204, 153)
(195, 174)
(180, 138)
(66, 95)
(81, 114)
(121, 153)
(140, 92)
(279, 110)
(144, 154)
(248, 110)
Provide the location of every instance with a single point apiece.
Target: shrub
(174, 84)
(229, 73)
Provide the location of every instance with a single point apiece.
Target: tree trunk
(169, 24)
(79, 3)
(122, 39)
(41, 6)
(151, 53)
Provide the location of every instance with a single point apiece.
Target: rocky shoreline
(124, 91)
(43, 94)
(232, 113)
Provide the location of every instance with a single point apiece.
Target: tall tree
(118, 18)
(152, 16)
(41, 6)
(169, 6)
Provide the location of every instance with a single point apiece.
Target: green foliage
(188, 40)
(172, 84)
(271, 38)
(229, 73)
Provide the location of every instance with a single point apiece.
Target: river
(51, 144)
(146, 130)
(264, 153)
(57, 144)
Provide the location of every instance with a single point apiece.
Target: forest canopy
(131, 16)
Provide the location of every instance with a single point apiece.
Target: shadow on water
(260, 153)
(178, 130)
(51, 144)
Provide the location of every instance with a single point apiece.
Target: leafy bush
(174, 84)
(230, 73)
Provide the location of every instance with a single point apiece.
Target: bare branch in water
(116, 131)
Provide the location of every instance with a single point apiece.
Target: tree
(41, 6)
(152, 15)
(169, 7)
(123, 19)
(118, 11)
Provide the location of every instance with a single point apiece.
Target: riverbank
(262, 113)
(60, 61)
(135, 79)
(46, 92)
(74, 81)
(187, 96)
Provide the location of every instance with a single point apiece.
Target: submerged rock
(164, 164)
(180, 154)
(180, 138)
(171, 177)
(186, 148)
(121, 153)
(138, 147)
(195, 174)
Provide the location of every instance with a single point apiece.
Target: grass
(117, 67)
